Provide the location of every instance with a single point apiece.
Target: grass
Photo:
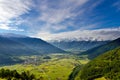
(102, 78)
(58, 67)
(84, 61)
(2, 79)
(49, 70)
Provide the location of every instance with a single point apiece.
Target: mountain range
(94, 52)
(18, 46)
(77, 46)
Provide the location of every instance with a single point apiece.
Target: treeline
(75, 72)
(14, 75)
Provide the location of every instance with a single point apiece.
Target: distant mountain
(38, 45)
(18, 46)
(10, 47)
(94, 52)
(105, 66)
(77, 45)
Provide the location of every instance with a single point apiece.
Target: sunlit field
(59, 67)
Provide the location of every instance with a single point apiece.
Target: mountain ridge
(94, 52)
(77, 45)
(24, 46)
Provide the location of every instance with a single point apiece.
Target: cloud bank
(98, 34)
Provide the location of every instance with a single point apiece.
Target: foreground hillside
(105, 66)
(94, 52)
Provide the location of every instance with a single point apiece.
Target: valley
(27, 58)
(49, 67)
(59, 39)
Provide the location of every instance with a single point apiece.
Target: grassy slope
(106, 65)
(102, 78)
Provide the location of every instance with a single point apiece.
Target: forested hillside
(106, 65)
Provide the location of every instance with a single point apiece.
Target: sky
(61, 19)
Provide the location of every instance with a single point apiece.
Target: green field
(102, 78)
(58, 67)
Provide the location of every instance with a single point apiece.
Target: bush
(13, 74)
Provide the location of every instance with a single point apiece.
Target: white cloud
(59, 11)
(99, 34)
(6, 27)
(54, 12)
(3, 26)
(57, 15)
(12, 9)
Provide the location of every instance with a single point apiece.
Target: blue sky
(58, 19)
